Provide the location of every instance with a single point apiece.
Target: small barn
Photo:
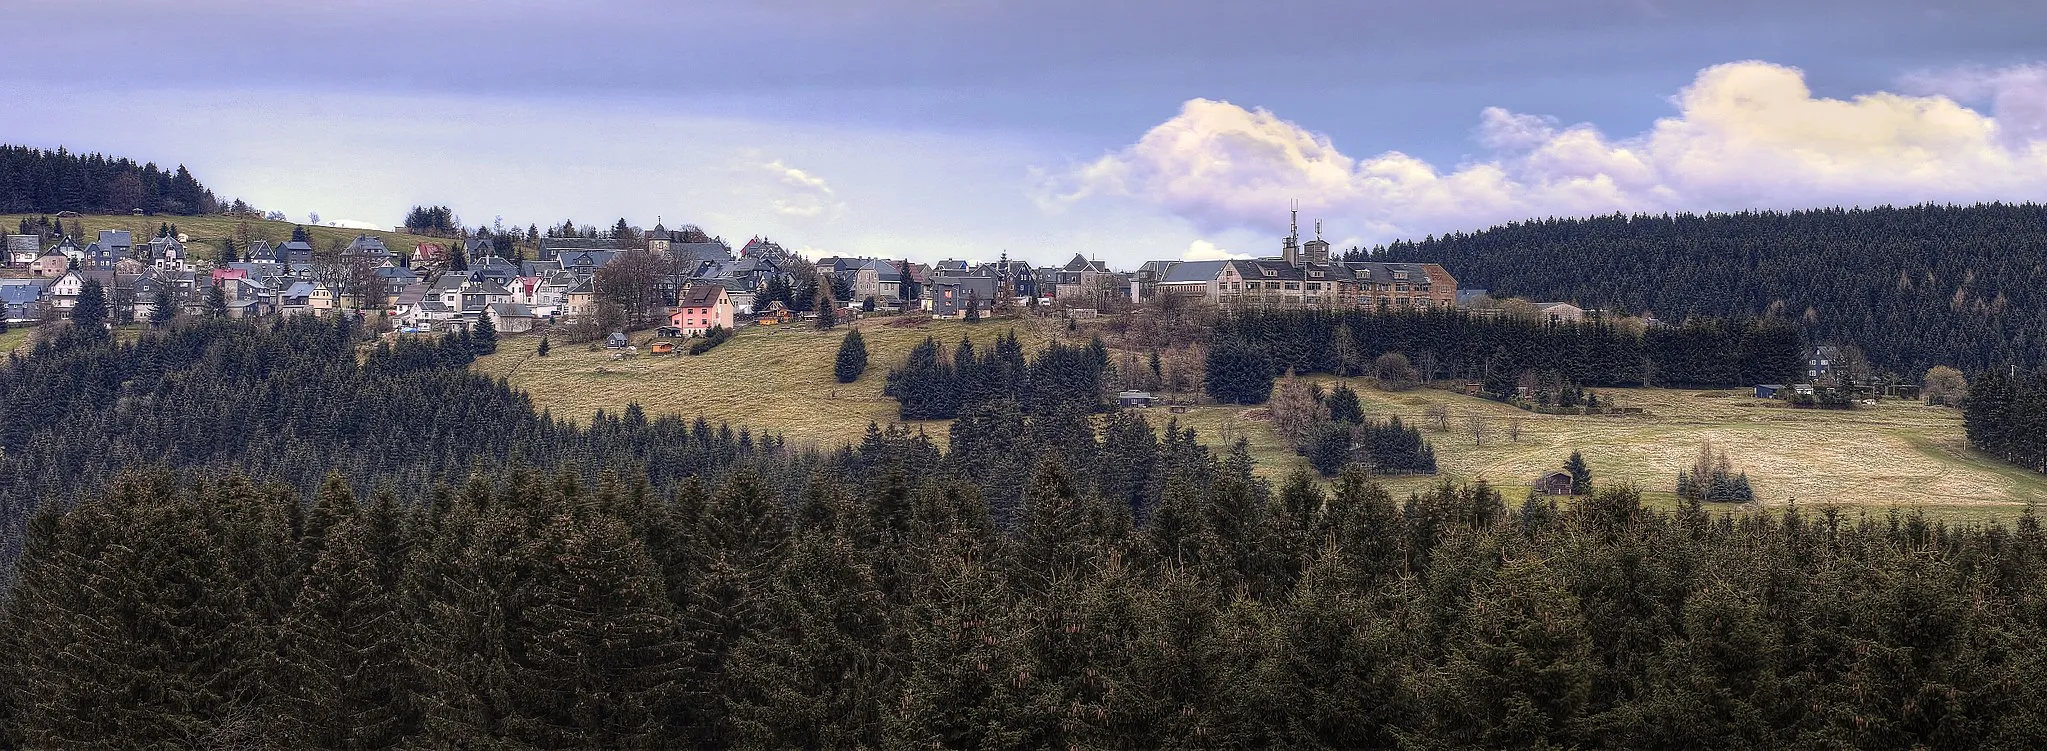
(1555, 483)
(1134, 399)
(615, 341)
(663, 348)
(668, 332)
(1768, 390)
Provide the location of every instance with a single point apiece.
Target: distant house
(1560, 312)
(1468, 297)
(1821, 361)
(511, 317)
(702, 307)
(1768, 390)
(1557, 482)
(55, 261)
(295, 253)
(22, 249)
(1134, 399)
(25, 299)
(616, 340)
(948, 296)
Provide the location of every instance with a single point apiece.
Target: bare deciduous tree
(1438, 417)
(1479, 427)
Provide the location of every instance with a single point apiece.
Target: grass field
(205, 233)
(1893, 454)
(777, 378)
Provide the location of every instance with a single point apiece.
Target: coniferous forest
(2006, 416)
(1913, 287)
(220, 571)
(1251, 347)
(33, 181)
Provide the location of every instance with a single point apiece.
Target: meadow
(1895, 454)
(204, 234)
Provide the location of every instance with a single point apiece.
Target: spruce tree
(827, 309)
(852, 358)
(542, 349)
(342, 648)
(484, 339)
(216, 302)
(163, 308)
(89, 314)
(1581, 474)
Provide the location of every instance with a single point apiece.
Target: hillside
(1913, 287)
(779, 380)
(207, 232)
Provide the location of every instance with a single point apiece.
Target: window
(1293, 285)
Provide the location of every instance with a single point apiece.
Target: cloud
(1746, 135)
(1203, 250)
(804, 196)
(353, 224)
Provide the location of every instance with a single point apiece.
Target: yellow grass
(775, 378)
(1894, 454)
(205, 233)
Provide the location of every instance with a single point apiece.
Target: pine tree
(599, 641)
(542, 349)
(827, 309)
(852, 358)
(163, 308)
(89, 314)
(216, 302)
(342, 649)
(227, 251)
(1581, 474)
(484, 339)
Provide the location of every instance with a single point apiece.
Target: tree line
(1913, 286)
(1249, 349)
(37, 181)
(930, 386)
(2005, 415)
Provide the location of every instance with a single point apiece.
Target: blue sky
(1123, 130)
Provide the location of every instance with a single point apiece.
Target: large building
(1306, 276)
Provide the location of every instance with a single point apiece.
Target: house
(511, 318)
(166, 251)
(1768, 390)
(1560, 312)
(702, 307)
(25, 299)
(579, 300)
(879, 279)
(1820, 361)
(22, 249)
(57, 260)
(1134, 399)
(364, 246)
(1557, 482)
(296, 298)
(552, 248)
(949, 296)
(1469, 297)
(261, 250)
(615, 341)
(112, 245)
(295, 253)
(662, 348)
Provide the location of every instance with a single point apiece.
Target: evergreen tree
(827, 309)
(484, 338)
(542, 349)
(852, 358)
(89, 314)
(227, 251)
(216, 302)
(162, 307)
(1581, 475)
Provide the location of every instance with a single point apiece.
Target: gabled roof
(299, 289)
(711, 251)
(1081, 263)
(884, 271)
(581, 243)
(700, 295)
(1382, 273)
(510, 310)
(587, 258)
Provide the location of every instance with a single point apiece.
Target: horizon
(938, 129)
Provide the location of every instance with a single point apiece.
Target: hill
(1912, 287)
(206, 233)
(780, 380)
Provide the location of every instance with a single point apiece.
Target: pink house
(703, 307)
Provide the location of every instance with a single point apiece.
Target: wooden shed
(663, 348)
(1555, 483)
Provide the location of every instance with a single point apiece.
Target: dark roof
(511, 310)
(700, 295)
(1193, 271)
(1376, 272)
(1081, 263)
(581, 243)
(711, 251)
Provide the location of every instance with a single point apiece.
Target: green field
(205, 233)
(1893, 454)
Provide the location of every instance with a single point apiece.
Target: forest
(284, 534)
(1913, 287)
(1250, 348)
(2005, 415)
(37, 181)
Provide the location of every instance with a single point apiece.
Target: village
(695, 282)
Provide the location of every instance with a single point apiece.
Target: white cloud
(353, 224)
(1746, 135)
(805, 196)
(1203, 250)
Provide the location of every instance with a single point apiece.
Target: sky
(1119, 130)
